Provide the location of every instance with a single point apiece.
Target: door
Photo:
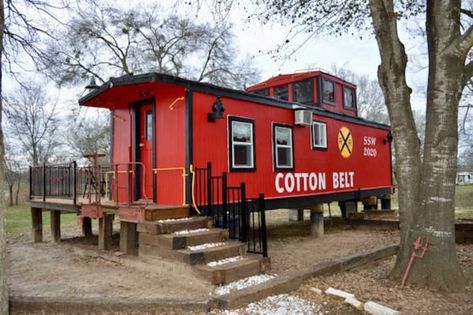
(146, 138)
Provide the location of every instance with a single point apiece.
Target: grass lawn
(18, 218)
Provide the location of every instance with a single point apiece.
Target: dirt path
(292, 248)
(70, 269)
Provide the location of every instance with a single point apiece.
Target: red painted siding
(170, 143)
(122, 149)
(211, 144)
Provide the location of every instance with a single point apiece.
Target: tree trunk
(10, 195)
(3, 276)
(445, 85)
(426, 190)
(17, 194)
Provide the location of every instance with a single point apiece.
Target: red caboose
(295, 138)
(182, 147)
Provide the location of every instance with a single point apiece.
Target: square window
(241, 144)
(281, 92)
(348, 98)
(319, 135)
(283, 147)
(328, 91)
(303, 91)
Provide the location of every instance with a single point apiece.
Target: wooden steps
(171, 226)
(229, 272)
(194, 241)
(138, 212)
(182, 241)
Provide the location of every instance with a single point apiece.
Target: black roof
(222, 91)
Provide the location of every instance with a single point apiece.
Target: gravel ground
(282, 304)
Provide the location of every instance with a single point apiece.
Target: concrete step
(179, 240)
(171, 226)
(225, 273)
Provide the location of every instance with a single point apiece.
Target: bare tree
(19, 35)
(32, 121)
(89, 134)
(426, 181)
(3, 274)
(100, 41)
(14, 177)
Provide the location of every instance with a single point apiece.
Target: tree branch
(466, 41)
(468, 13)
(468, 72)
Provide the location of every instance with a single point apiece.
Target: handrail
(191, 170)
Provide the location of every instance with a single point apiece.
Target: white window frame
(276, 146)
(319, 124)
(353, 101)
(236, 120)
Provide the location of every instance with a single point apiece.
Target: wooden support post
(128, 238)
(87, 227)
(317, 221)
(386, 202)
(55, 225)
(370, 203)
(296, 214)
(37, 224)
(105, 231)
(351, 207)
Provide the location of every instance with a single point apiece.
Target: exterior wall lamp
(217, 110)
(92, 85)
(389, 138)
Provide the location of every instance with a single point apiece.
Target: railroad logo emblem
(345, 142)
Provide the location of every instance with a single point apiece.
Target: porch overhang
(116, 96)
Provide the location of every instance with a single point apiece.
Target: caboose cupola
(313, 88)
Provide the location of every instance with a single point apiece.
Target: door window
(149, 126)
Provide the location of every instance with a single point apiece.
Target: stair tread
(246, 261)
(163, 207)
(226, 245)
(177, 221)
(209, 231)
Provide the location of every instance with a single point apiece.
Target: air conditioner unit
(303, 117)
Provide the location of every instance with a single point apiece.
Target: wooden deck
(138, 211)
(105, 212)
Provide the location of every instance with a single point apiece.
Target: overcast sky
(254, 39)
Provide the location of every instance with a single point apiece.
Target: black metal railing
(54, 181)
(257, 238)
(68, 181)
(231, 209)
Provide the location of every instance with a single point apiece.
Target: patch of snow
(281, 304)
(174, 220)
(185, 232)
(243, 283)
(205, 246)
(224, 261)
